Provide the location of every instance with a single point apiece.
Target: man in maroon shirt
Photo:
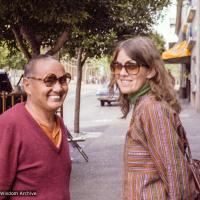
(34, 152)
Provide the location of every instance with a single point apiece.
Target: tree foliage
(31, 25)
(85, 28)
(11, 60)
(159, 41)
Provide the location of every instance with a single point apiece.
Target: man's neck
(43, 117)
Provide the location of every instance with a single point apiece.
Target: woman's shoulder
(151, 104)
(146, 101)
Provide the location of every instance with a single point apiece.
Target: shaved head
(29, 68)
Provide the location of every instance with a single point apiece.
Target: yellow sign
(179, 50)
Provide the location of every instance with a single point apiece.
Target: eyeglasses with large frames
(51, 79)
(131, 67)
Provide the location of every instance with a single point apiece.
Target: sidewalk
(101, 177)
(191, 122)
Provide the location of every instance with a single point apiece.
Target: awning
(179, 53)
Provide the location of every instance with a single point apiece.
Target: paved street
(191, 121)
(100, 178)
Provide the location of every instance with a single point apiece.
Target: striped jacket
(155, 168)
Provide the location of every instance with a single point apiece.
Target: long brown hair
(143, 51)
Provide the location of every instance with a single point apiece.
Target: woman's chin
(127, 90)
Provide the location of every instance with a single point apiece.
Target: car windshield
(103, 90)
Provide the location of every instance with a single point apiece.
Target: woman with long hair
(154, 164)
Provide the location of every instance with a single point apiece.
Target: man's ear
(26, 86)
(151, 73)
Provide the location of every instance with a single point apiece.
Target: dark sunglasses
(51, 79)
(131, 67)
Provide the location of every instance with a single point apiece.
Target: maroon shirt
(29, 161)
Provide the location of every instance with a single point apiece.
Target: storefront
(181, 54)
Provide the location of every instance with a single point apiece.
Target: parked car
(102, 90)
(104, 96)
(5, 84)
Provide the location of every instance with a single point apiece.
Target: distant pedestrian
(34, 153)
(154, 165)
(172, 77)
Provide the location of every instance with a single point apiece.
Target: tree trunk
(27, 40)
(20, 43)
(60, 42)
(31, 40)
(78, 92)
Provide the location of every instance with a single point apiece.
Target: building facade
(90, 73)
(188, 28)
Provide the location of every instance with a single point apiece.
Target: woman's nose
(123, 72)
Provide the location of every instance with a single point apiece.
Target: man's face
(41, 97)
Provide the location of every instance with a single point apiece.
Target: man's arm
(8, 156)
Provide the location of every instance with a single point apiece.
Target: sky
(163, 26)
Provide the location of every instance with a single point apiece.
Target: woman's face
(130, 83)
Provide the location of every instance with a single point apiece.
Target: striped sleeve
(163, 147)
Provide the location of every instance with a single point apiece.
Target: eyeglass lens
(51, 79)
(131, 68)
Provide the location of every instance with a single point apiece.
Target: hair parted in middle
(143, 51)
